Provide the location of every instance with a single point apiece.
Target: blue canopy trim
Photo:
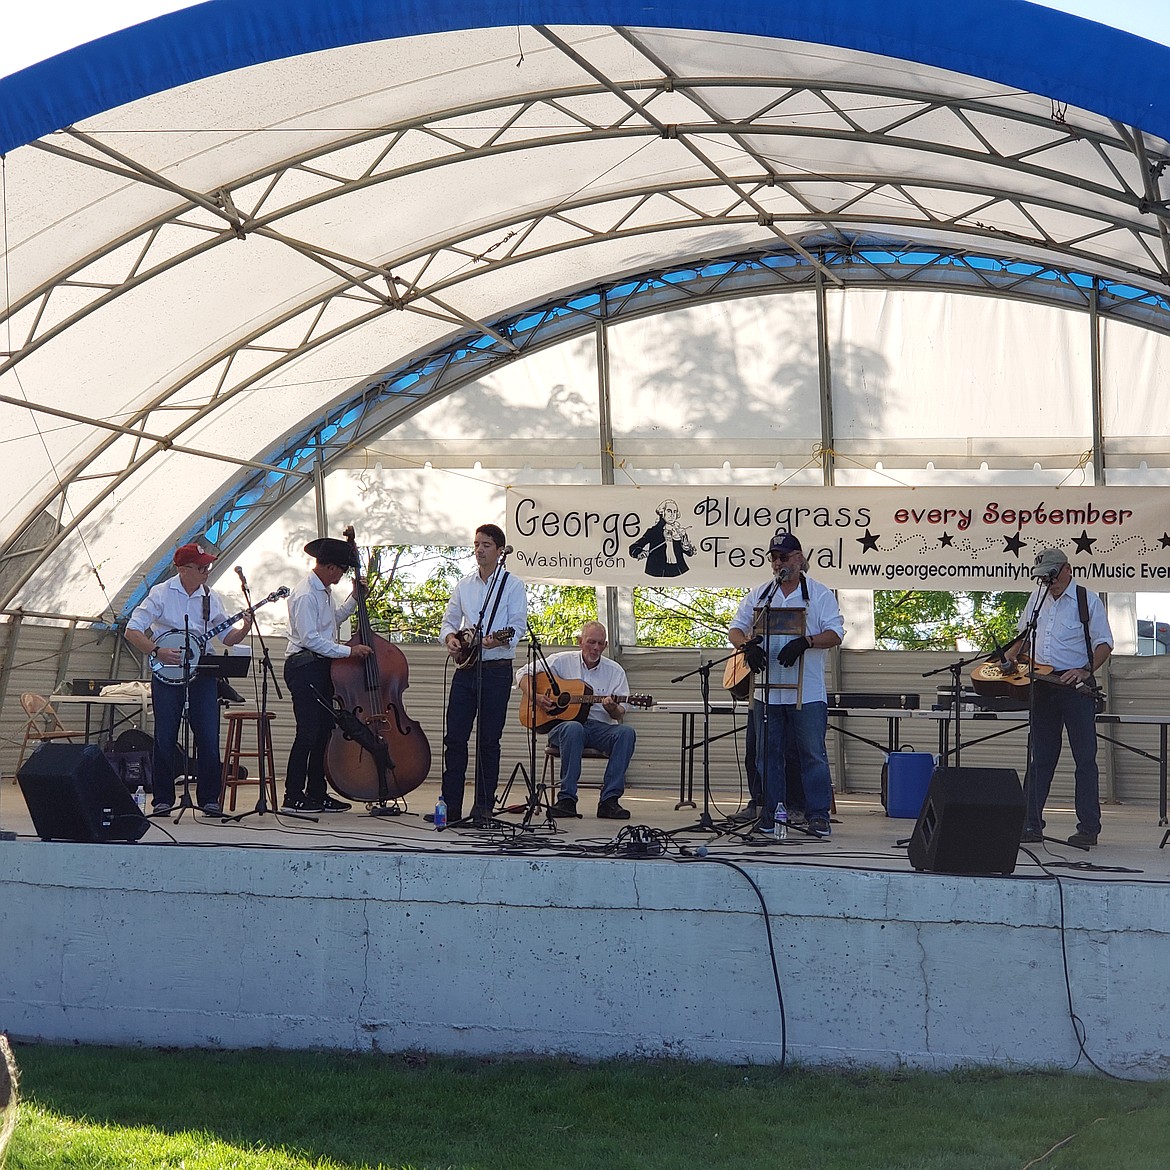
(1010, 42)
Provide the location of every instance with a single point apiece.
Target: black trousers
(309, 682)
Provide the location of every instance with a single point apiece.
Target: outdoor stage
(362, 933)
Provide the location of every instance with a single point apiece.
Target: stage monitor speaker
(73, 794)
(970, 823)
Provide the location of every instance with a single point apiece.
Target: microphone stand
(762, 739)
(185, 802)
(477, 637)
(537, 792)
(265, 734)
(705, 823)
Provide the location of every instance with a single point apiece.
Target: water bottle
(781, 819)
(441, 814)
(140, 799)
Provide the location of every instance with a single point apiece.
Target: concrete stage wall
(224, 947)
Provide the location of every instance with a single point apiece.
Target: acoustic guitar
(573, 699)
(737, 676)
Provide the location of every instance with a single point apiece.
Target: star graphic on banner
(868, 542)
(1085, 542)
(946, 540)
(1166, 539)
(1013, 544)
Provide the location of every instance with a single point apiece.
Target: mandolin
(573, 699)
(471, 644)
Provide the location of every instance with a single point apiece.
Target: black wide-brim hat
(331, 551)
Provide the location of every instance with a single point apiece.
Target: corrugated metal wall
(44, 657)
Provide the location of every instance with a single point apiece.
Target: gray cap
(1049, 562)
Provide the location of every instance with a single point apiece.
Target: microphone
(240, 574)
(785, 574)
(507, 552)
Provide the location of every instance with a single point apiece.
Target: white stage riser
(217, 948)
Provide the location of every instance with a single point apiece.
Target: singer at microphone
(791, 705)
(484, 618)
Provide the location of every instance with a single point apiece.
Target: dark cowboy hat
(328, 550)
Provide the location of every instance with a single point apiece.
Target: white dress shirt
(314, 619)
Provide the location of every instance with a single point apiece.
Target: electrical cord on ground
(771, 943)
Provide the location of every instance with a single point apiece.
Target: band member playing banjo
(180, 605)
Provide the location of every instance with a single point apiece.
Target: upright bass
(376, 753)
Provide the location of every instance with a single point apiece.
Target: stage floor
(863, 837)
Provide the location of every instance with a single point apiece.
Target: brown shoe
(1083, 840)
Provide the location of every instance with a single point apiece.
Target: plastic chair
(43, 723)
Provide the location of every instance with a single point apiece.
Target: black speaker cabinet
(73, 794)
(970, 823)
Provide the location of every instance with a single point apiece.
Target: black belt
(303, 658)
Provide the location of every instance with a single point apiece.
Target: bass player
(602, 729)
(184, 603)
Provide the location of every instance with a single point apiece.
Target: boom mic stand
(537, 791)
(705, 823)
(264, 734)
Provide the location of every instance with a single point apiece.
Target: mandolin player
(602, 727)
(489, 599)
(1070, 631)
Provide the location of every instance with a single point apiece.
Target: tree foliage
(410, 587)
(916, 619)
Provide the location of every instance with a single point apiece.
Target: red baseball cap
(192, 554)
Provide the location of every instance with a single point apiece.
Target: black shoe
(750, 812)
(610, 810)
(1083, 840)
(162, 809)
(301, 805)
(1031, 837)
(331, 805)
(566, 806)
(820, 827)
(211, 809)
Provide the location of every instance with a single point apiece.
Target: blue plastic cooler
(907, 779)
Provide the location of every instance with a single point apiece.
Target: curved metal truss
(1006, 194)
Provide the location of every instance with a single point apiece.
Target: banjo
(195, 643)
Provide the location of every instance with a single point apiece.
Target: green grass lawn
(105, 1107)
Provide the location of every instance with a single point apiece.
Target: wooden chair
(42, 724)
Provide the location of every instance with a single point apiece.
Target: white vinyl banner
(1116, 539)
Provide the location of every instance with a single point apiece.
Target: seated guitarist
(494, 601)
(603, 728)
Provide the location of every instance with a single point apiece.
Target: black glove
(791, 651)
(753, 655)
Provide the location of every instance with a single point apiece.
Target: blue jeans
(1057, 709)
(781, 726)
(465, 703)
(203, 719)
(615, 738)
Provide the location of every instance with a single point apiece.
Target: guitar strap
(487, 627)
(1083, 610)
(206, 607)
